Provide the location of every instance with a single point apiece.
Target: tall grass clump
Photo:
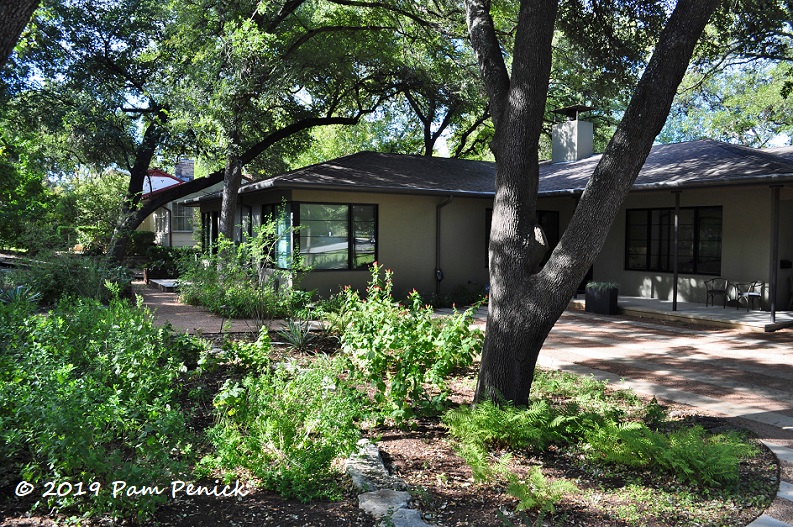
(55, 276)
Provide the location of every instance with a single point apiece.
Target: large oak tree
(526, 300)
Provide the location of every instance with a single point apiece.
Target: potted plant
(601, 298)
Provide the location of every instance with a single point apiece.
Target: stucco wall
(405, 240)
(746, 221)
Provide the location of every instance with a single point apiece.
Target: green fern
(690, 454)
(536, 492)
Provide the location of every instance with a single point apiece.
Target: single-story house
(427, 218)
(173, 223)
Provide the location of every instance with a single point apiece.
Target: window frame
(294, 211)
(666, 232)
(186, 217)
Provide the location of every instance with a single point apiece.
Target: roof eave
(768, 180)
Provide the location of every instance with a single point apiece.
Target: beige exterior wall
(406, 234)
(746, 249)
(406, 241)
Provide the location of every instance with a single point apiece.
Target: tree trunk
(14, 16)
(524, 303)
(232, 179)
(137, 175)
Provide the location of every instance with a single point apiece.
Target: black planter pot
(602, 301)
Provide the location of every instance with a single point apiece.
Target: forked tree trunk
(524, 304)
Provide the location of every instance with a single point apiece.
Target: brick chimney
(184, 170)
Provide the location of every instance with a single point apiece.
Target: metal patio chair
(716, 287)
(749, 292)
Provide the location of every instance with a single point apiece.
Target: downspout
(438, 270)
(170, 230)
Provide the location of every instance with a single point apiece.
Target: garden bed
(423, 455)
(86, 383)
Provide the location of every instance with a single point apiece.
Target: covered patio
(698, 313)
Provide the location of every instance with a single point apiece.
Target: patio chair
(716, 287)
(749, 292)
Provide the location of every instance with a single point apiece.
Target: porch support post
(774, 266)
(676, 250)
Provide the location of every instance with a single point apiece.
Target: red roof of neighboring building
(164, 181)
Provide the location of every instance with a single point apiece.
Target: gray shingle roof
(392, 173)
(680, 165)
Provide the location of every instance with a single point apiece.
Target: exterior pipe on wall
(438, 270)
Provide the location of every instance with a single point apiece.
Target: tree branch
(461, 150)
(329, 29)
(488, 55)
(384, 5)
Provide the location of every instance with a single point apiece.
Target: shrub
(287, 427)
(251, 356)
(88, 393)
(140, 242)
(403, 350)
(240, 280)
(56, 276)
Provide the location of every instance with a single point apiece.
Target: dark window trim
(350, 232)
(648, 236)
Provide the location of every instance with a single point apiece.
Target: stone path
(745, 376)
(190, 319)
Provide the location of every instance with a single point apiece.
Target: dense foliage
(605, 428)
(97, 394)
(242, 279)
(55, 276)
(88, 393)
(287, 426)
(404, 352)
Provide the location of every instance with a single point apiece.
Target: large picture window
(649, 244)
(337, 236)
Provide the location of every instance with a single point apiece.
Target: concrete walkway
(741, 374)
